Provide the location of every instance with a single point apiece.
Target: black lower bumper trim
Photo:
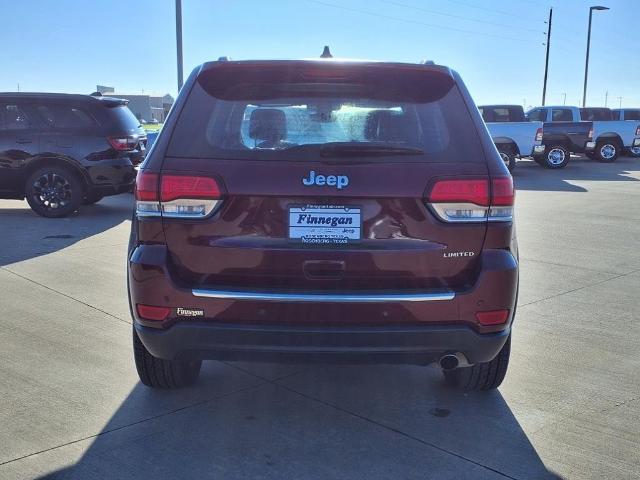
(305, 344)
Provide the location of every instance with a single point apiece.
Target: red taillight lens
(460, 191)
(502, 192)
(539, 135)
(181, 186)
(638, 131)
(123, 144)
(471, 201)
(150, 312)
(590, 134)
(177, 196)
(492, 317)
(146, 186)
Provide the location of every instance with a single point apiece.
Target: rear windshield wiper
(365, 149)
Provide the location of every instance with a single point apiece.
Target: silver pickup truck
(610, 137)
(513, 135)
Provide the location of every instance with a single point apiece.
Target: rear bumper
(408, 345)
(112, 176)
(377, 327)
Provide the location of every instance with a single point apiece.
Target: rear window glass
(632, 114)
(123, 118)
(265, 121)
(595, 114)
(502, 114)
(13, 117)
(561, 115)
(64, 116)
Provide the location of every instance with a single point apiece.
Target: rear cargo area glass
(260, 120)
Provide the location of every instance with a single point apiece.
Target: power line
(426, 10)
(415, 22)
(493, 10)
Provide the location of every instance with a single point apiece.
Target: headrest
(268, 124)
(384, 125)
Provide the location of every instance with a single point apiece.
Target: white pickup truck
(630, 115)
(513, 135)
(610, 137)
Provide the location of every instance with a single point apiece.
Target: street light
(586, 64)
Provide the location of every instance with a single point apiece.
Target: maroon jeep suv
(323, 211)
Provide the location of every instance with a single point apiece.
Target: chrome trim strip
(324, 297)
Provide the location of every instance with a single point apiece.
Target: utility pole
(586, 62)
(606, 97)
(179, 41)
(620, 99)
(546, 62)
(564, 98)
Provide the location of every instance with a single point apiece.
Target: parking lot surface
(72, 405)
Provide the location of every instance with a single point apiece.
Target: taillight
(473, 200)
(590, 133)
(638, 131)
(146, 194)
(539, 135)
(175, 196)
(123, 143)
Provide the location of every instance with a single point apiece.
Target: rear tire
(556, 156)
(509, 159)
(53, 192)
(159, 373)
(607, 151)
(481, 376)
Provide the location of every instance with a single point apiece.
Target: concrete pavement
(72, 406)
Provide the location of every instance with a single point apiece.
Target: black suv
(60, 150)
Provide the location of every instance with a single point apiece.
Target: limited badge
(190, 312)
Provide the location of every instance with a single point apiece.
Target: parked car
(513, 135)
(629, 114)
(610, 137)
(382, 234)
(59, 151)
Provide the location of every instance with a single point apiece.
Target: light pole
(564, 98)
(179, 41)
(546, 61)
(586, 63)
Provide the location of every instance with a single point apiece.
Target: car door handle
(24, 140)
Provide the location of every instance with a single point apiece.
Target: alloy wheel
(52, 191)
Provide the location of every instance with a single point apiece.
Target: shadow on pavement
(26, 235)
(326, 422)
(528, 175)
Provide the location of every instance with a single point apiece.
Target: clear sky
(496, 45)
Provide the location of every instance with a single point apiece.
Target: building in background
(145, 107)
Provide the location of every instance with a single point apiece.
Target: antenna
(326, 53)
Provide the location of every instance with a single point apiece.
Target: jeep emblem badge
(338, 181)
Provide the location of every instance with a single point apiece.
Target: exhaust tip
(449, 362)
